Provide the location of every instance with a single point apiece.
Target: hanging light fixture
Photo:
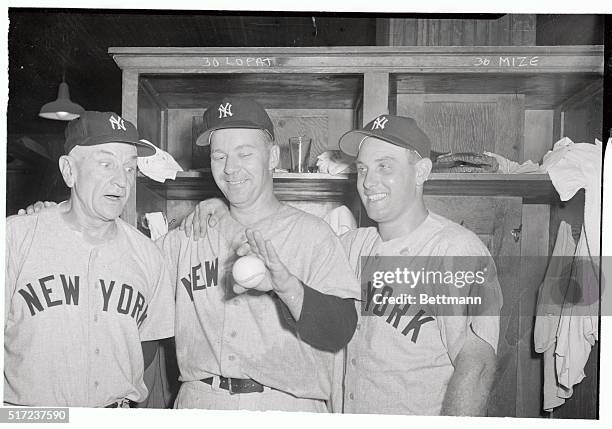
(62, 109)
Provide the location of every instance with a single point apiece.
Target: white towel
(571, 167)
(157, 224)
(335, 162)
(341, 220)
(160, 166)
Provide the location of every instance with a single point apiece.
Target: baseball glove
(465, 162)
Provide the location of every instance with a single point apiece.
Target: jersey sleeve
(10, 271)
(474, 279)
(169, 246)
(357, 243)
(20, 232)
(159, 321)
(331, 272)
(327, 322)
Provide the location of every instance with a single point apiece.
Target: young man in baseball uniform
(272, 347)
(85, 292)
(419, 357)
(408, 358)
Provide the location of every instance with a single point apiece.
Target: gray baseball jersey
(76, 312)
(252, 335)
(400, 359)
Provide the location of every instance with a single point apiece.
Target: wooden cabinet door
(493, 219)
(467, 122)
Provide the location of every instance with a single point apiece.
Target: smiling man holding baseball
(269, 345)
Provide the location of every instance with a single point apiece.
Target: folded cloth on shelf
(464, 162)
(335, 162)
(507, 166)
(160, 166)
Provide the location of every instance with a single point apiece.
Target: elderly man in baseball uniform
(85, 292)
(261, 347)
(409, 358)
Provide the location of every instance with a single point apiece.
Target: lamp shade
(62, 109)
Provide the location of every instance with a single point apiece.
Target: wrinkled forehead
(123, 151)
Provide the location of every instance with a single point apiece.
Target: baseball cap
(398, 130)
(234, 112)
(93, 128)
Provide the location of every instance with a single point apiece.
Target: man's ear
(423, 168)
(274, 156)
(67, 167)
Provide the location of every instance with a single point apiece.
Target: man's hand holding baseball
(288, 288)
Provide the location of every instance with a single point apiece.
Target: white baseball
(249, 271)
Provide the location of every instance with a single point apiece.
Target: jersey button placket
(229, 334)
(350, 386)
(228, 328)
(93, 297)
(352, 375)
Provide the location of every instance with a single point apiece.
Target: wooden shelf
(197, 185)
(533, 188)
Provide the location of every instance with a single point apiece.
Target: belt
(236, 385)
(123, 403)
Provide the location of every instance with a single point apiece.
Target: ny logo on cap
(117, 122)
(379, 123)
(225, 110)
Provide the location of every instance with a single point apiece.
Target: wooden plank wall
(510, 29)
(583, 115)
(149, 117)
(538, 134)
(534, 251)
